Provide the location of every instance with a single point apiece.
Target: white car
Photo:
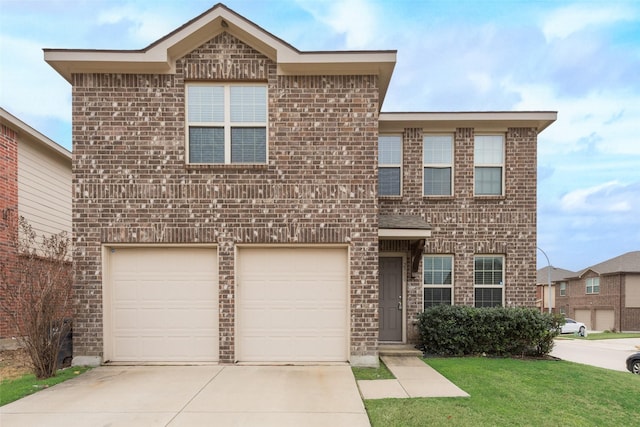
(571, 326)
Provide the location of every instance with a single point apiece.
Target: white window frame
(502, 165)
(227, 124)
(563, 289)
(440, 285)
(591, 284)
(449, 165)
(483, 286)
(392, 165)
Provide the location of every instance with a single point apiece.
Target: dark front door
(390, 299)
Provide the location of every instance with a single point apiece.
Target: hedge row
(451, 330)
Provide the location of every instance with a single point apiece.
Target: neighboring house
(236, 199)
(542, 290)
(605, 296)
(35, 183)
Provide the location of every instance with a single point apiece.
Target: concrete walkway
(196, 396)
(414, 378)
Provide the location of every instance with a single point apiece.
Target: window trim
(226, 124)
(449, 165)
(440, 286)
(500, 286)
(502, 165)
(392, 165)
(592, 286)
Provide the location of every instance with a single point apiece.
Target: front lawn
(603, 336)
(14, 389)
(512, 392)
(380, 373)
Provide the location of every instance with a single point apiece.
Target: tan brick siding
(464, 225)
(131, 183)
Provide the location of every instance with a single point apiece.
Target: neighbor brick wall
(464, 225)
(131, 183)
(8, 210)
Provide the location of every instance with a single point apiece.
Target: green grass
(11, 390)
(602, 336)
(511, 392)
(381, 373)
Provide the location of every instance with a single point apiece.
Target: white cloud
(356, 20)
(569, 20)
(33, 87)
(611, 197)
(145, 26)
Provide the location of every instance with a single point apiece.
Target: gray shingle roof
(557, 274)
(402, 222)
(625, 263)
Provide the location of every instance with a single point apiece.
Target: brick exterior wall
(132, 185)
(8, 209)
(464, 225)
(610, 297)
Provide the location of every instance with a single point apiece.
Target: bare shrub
(35, 293)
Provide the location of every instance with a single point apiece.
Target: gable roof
(160, 56)
(625, 263)
(23, 129)
(557, 274)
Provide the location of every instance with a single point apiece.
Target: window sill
(489, 198)
(436, 198)
(398, 197)
(226, 167)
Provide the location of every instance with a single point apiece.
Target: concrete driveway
(196, 395)
(608, 354)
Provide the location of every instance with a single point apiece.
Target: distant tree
(35, 292)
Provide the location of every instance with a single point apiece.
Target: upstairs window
(593, 285)
(489, 165)
(488, 280)
(563, 289)
(389, 165)
(437, 165)
(226, 123)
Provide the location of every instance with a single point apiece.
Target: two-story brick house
(35, 184)
(604, 296)
(236, 199)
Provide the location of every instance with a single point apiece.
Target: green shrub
(448, 330)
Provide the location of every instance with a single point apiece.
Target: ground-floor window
(488, 280)
(437, 280)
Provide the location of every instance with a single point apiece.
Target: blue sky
(580, 58)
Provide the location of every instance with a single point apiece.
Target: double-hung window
(389, 165)
(437, 165)
(593, 285)
(227, 123)
(563, 289)
(489, 280)
(489, 165)
(437, 280)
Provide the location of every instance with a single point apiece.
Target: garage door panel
(164, 305)
(292, 304)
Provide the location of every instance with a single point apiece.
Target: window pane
(488, 150)
(248, 145)
(388, 181)
(436, 296)
(488, 271)
(488, 297)
(248, 104)
(206, 145)
(488, 181)
(389, 150)
(205, 104)
(438, 149)
(437, 270)
(437, 181)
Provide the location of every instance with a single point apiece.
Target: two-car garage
(162, 304)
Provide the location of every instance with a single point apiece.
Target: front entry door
(390, 299)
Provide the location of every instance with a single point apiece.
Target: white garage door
(605, 320)
(292, 305)
(161, 305)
